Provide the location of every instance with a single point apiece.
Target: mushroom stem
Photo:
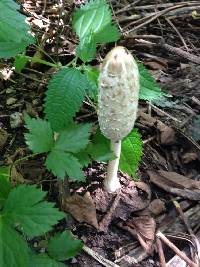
(111, 182)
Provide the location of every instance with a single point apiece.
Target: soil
(120, 227)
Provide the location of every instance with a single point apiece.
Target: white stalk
(111, 182)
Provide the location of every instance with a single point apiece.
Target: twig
(196, 100)
(181, 53)
(163, 112)
(103, 225)
(31, 78)
(178, 33)
(180, 253)
(99, 258)
(128, 7)
(146, 7)
(154, 17)
(160, 253)
(178, 207)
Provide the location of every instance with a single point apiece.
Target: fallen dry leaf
(167, 134)
(3, 137)
(82, 208)
(189, 156)
(144, 227)
(134, 197)
(156, 207)
(177, 184)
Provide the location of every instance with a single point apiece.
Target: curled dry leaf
(177, 184)
(167, 134)
(144, 227)
(81, 208)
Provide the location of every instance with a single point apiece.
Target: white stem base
(111, 182)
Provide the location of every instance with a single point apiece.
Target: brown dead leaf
(134, 197)
(157, 206)
(3, 137)
(145, 228)
(189, 156)
(157, 64)
(167, 134)
(177, 184)
(81, 208)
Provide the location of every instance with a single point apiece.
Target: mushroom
(117, 104)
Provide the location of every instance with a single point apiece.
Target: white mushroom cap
(118, 94)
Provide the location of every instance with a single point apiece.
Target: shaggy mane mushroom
(117, 104)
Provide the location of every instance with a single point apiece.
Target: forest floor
(164, 206)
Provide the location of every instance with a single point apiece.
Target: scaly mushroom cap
(118, 94)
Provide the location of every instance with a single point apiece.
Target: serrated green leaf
(93, 24)
(24, 207)
(43, 260)
(83, 158)
(131, 153)
(86, 50)
(14, 36)
(149, 89)
(99, 148)
(20, 62)
(109, 33)
(5, 185)
(61, 164)
(40, 139)
(64, 246)
(64, 97)
(91, 17)
(13, 250)
(74, 138)
(92, 76)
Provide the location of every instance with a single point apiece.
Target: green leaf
(20, 62)
(5, 185)
(24, 207)
(109, 33)
(93, 24)
(64, 97)
(74, 138)
(61, 164)
(92, 76)
(149, 89)
(83, 158)
(63, 246)
(13, 250)
(86, 50)
(40, 139)
(131, 153)
(14, 36)
(99, 149)
(43, 260)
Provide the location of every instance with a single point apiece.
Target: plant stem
(111, 181)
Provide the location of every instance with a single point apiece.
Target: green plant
(14, 35)
(24, 215)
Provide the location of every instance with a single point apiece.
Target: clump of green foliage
(68, 146)
(24, 215)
